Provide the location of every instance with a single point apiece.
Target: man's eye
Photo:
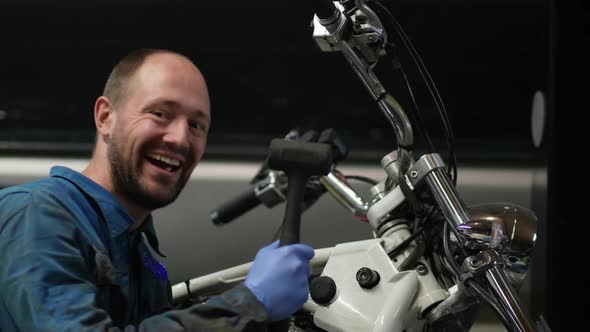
(196, 125)
(157, 113)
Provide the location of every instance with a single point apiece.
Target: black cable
(489, 299)
(436, 263)
(432, 90)
(431, 86)
(429, 215)
(438, 260)
(447, 249)
(450, 268)
(404, 244)
(361, 178)
(417, 113)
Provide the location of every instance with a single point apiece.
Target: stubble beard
(126, 181)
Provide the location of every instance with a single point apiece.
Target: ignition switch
(367, 278)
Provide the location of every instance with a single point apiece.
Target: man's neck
(100, 175)
(138, 214)
(137, 224)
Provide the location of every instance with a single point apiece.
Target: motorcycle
(432, 260)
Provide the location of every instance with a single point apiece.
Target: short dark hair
(118, 82)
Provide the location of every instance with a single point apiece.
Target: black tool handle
(290, 231)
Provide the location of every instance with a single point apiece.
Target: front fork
(487, 263)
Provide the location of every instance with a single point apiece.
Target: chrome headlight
(510, 229)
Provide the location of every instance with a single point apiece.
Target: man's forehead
(170, 61)
(156, 73)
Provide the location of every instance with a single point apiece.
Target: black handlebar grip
(239, 205)
(325, 9)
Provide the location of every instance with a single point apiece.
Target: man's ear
(104, 116)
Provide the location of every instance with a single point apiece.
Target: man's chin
(155, 197)
(153, 202)
(158, 194)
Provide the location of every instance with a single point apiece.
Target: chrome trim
(344, 194)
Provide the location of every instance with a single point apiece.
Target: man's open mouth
(165, 163)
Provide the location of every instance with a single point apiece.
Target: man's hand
(278, 278)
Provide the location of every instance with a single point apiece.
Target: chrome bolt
(414, 174)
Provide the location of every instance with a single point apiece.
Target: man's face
(160, 131)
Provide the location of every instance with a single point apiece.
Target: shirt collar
(117, 218)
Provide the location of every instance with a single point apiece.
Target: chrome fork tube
(511, 304)
(488, 262)
(446, 197)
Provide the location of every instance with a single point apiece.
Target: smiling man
(152, 130)
(72, 249)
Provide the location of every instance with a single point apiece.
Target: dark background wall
(266, 74)
(568, 287)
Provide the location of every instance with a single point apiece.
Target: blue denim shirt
(69, 262)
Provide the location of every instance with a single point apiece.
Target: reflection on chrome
(510, 229)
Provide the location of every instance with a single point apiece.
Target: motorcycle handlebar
(271, 192)
(235, 207)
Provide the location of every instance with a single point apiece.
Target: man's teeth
(172, 162)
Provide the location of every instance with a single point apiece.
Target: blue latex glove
(278, 278)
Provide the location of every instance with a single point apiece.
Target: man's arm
(46, 283)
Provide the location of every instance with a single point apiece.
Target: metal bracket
(480, 262)
(271, 191)
(426, 164)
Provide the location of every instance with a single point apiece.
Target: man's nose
(177, 135)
